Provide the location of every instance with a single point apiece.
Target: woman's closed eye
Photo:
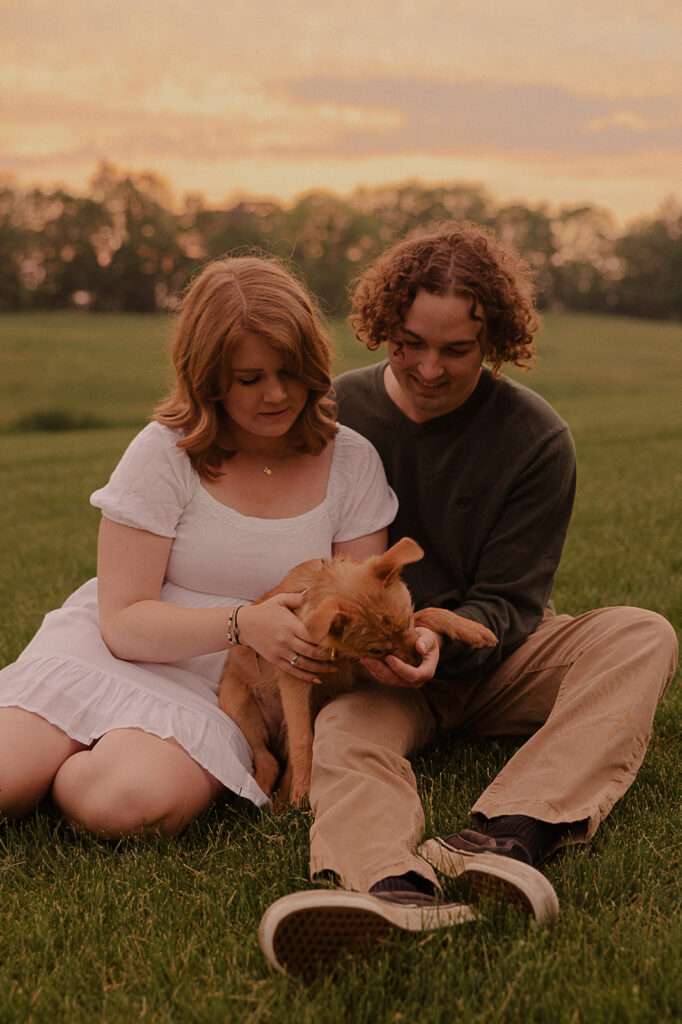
(255, 378)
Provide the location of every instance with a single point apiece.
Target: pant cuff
(364, 882)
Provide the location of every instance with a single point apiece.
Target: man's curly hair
(457, 258)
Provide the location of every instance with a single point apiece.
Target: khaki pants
(584, 689)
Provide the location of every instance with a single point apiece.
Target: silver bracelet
(233, 628)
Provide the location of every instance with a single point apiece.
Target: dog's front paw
(285, 800)
(474, 634)
(440, 620)
(300, 789)
(299, 801)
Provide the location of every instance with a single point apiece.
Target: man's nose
(430, 365)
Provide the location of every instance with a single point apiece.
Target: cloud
(226, 95)
(636, 121)
(484, 117)
(321, 116)
(609, 44)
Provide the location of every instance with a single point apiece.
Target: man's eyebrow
(458, 341)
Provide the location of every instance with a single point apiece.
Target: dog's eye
(377, 651)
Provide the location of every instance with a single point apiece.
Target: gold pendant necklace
(271, 468)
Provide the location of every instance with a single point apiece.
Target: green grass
(87, 369)
(166, 930)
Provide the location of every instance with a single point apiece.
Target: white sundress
(218, 557)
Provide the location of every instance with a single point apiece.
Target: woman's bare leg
(31, 753)
(132, 782)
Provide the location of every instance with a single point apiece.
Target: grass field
(166, 930)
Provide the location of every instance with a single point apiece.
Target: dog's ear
(326, 620)
(391, 562)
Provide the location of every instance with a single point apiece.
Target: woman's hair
(458, 258)
(232, 296)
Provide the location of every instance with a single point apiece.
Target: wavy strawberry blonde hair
(230, 297)
(458, 258)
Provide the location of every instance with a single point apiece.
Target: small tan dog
(354, 609)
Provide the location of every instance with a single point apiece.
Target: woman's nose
(275, 391)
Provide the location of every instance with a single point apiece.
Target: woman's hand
(394, 672)
(272, 630)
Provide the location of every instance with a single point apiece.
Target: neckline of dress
(316, 509)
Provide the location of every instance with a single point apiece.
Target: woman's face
(264, 400)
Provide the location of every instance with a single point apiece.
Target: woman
(242, 474)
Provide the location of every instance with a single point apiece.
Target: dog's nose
(409, 655)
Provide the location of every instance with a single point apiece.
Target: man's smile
(423, 386)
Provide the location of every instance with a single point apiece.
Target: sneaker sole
(305, 930)
(495, 877)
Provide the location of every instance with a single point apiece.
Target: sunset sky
(536, 100)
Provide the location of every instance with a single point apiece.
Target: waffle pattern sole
(307, 930)
(306, 940)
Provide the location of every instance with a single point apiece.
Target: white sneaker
(494, 876)
(306, 929)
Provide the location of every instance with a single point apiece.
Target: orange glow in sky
(536, 101)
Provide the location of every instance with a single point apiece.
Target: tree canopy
(125, 247)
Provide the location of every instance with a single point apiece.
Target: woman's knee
(107, 804)
(31, 752)
(21, 792)
(116, 799)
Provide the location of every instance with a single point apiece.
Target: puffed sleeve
(361, 499)
(151, 485)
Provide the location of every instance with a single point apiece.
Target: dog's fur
(355, 609)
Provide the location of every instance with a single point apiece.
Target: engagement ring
(294, 660)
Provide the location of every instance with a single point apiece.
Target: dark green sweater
(487, 490)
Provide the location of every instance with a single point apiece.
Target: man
(484, 470)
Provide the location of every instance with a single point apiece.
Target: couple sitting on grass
(251, 467)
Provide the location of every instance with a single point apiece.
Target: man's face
(435, 360)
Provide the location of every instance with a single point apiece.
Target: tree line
(125, 247)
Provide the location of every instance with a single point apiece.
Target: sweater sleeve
(517, 564)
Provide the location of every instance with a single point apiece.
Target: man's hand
(394, 672)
